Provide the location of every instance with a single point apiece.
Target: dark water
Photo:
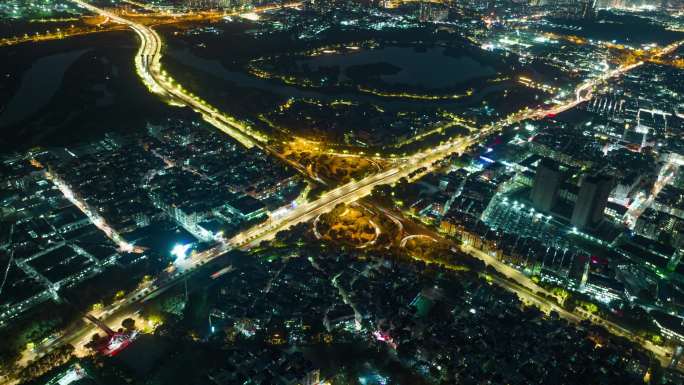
(627, 29)
(215, 68)
(38, 85)
(430, 69)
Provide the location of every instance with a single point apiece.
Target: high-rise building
(429, 12)
(547, 181)
(322, 6)
(212, 4)
(675, 259)
(591, 201)
(579, 270)
(573, 9)
(589, 9)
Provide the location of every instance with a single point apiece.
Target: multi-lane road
(148, 66)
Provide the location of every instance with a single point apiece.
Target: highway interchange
(149, 68)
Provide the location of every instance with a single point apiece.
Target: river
(38, 85)
(214, 67)
(430, 68)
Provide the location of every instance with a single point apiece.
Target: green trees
(8, 358)
(51, 360)
(128, 324)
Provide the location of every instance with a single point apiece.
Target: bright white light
(250, 16)
(74, 374)
(180, 251)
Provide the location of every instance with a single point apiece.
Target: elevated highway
(148, 65)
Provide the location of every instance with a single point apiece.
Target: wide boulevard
(149, 68)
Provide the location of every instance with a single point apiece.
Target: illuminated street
(317, 192)
(149, 67)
